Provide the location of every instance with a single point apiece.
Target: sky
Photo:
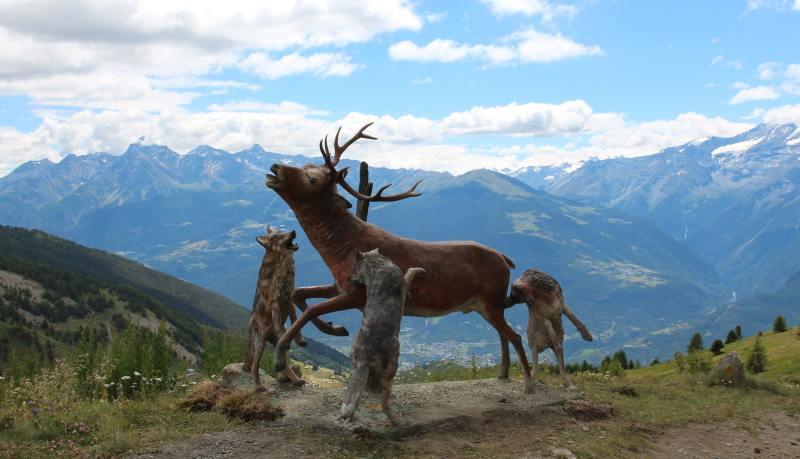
(450, 85)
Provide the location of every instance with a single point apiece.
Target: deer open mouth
(290, 243)
(272, 180)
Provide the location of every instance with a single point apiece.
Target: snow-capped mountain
(735, 200)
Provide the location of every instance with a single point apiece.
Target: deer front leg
(578, 324)
(341, 303)
(301, 294)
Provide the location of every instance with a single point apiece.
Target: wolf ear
(360, 255)
(264, 241)
(271, 230)
(375, 250)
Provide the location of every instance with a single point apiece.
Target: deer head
(311, 183)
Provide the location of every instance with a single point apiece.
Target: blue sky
(450, 85)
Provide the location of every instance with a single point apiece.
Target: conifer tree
(696, 344)
(731, 338)
(757, 359)
(779, 326)
(716, 347)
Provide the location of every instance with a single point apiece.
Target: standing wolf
(272, 305)
(376, 349)
(545, 302)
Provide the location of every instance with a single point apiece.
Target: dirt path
(460, 419)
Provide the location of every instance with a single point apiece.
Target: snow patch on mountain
(737, 148)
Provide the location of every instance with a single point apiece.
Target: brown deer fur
(463, 276)
(376, 349)
(272, 303)
(545, 301)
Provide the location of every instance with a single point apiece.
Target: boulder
(295, 368)
(729, 368)
(234, 377)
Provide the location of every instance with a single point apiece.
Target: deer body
(461, 275)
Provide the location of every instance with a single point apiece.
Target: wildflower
(136, 373)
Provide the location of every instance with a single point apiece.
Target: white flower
(136, 373)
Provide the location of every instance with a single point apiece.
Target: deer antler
(377, 196)
(341, 174)
(339, 150)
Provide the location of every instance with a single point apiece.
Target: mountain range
(629, 273)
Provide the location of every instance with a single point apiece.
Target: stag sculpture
(463, 276)
(376, 349)
(545, 301)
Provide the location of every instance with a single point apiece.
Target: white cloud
(783, 115)
(768, 70)
(525, 46)
(285, 107)
(47, 41)
(757, 93)
(773, 4)
(740, 85)
(422, 80)
(320, 64)
(542, 8)
(755, 114)
(435, 17)
(528, 120)
(437, 144)
(720, 60)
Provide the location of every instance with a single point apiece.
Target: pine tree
(738, 332)
(731, 338)
(716, 347)
(757, 359)
(696, 344)
(779, 326)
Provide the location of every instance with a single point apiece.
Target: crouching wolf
(376, 349)
(545, 301)
(272, 304)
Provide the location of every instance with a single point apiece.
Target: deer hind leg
(340, 303)
(498, 321)
(505, 358)
(534, 361)
(578, 324)
(301, 294)
(558, 350)
(355, 389)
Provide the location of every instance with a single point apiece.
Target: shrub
(248, 407)
(221, 348)
(697, 363)
(779, 326)
(680, 363)
(612, 368)
(757, 359)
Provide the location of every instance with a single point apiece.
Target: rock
(729, 368)
(234, 377)
(588, 411)
(562, 453)
(625, 390)
(499, 398)
(295, 368)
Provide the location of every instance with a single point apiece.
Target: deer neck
(333, 231)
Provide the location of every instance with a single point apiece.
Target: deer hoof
(300, 382)
(339, 330)
(400, 423)
(301, 342)
(573, 389)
